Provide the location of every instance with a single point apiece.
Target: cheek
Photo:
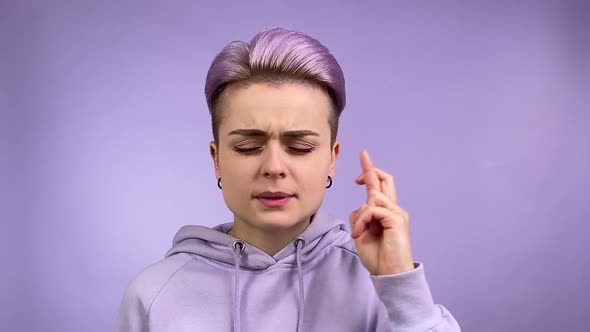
(236, 185)
(314, 175)
(237, 171)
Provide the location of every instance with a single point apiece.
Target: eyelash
(250, 151)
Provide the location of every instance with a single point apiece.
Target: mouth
(274, 199)
(273, 194)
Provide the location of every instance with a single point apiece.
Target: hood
(215, 244)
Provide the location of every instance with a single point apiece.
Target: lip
(274, 199)
(273, 194)
(274, 202)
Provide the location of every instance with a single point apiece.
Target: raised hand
(380, 228)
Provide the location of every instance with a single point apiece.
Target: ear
(334, 155)
(214, 151)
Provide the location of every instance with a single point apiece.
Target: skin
(277, 138)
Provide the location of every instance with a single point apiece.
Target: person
(283, 264)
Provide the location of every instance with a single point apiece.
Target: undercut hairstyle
(276, 56)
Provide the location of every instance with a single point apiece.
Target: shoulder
(343, 246)
(345, 242)
(145, 286)
(335, 233)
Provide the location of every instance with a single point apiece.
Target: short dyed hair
(276, 56)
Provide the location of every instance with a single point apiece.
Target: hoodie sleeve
(142, 291)
(132, 312)
(409, 303)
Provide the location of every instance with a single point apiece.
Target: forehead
(281, 107)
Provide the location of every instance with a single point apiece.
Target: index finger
(371, 180)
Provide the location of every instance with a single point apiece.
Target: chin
(277, 219)
(274, 220)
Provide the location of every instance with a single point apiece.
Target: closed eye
(257, 149)
(248, 151)
(300, 150)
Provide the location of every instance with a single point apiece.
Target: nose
(273, 164)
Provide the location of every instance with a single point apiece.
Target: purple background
(479, 110)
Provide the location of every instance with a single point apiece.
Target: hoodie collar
(215, 244)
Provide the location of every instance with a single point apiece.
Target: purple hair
(276, 56)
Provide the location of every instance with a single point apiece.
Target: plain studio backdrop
(479, 110)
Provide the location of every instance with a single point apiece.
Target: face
(274, 153)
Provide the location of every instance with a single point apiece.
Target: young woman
(281, 265)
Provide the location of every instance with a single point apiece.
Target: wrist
(395, 269)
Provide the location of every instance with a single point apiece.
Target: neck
(270, 241)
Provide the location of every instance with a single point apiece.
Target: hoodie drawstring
(301, 289)
(239, 246)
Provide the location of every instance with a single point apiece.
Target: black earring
(219, 183)
(329, 182)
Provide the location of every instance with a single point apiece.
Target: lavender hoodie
(211, 281)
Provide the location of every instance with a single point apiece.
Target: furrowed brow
(262, 133)
(299, 133)
(249, 132)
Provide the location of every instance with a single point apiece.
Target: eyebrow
(262, 133)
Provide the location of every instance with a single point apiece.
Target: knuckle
(404, 213)
(400, 221)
